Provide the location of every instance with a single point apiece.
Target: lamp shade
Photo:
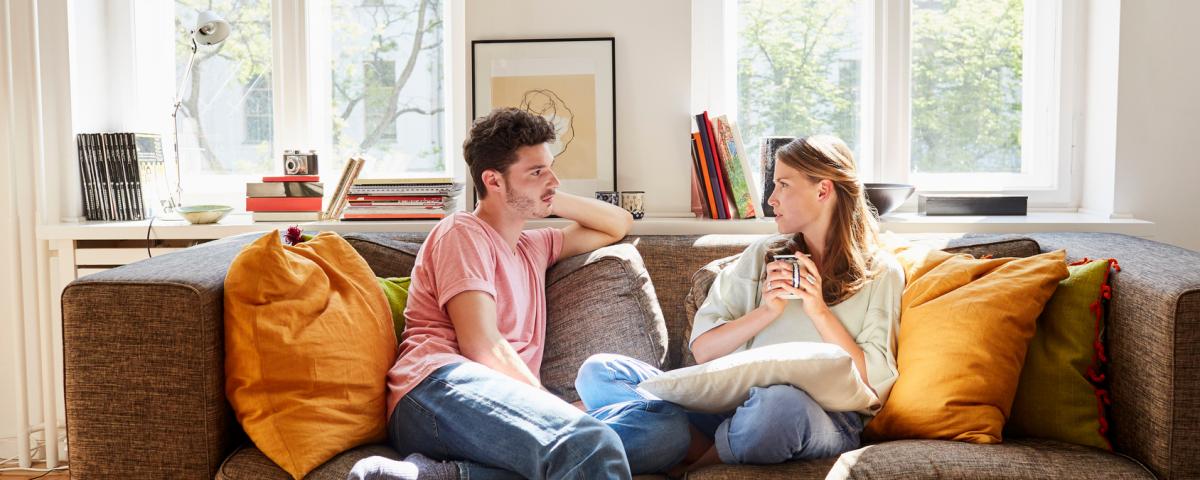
(211, 29)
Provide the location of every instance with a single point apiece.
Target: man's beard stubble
(528, 206)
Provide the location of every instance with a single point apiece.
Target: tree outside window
(229, 80)
(798, 69)
(386, 75)
(966, 85)
(387, 84)
(259, 124)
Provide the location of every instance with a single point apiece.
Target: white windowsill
(898, 223)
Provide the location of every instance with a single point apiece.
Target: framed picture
(570, 82)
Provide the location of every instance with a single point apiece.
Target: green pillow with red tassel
(1062, 393)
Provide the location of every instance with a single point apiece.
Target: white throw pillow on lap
(824, 370)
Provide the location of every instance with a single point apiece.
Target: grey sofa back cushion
(388, 254)
(599, 302)
(977, 246)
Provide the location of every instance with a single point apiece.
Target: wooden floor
(55, 475)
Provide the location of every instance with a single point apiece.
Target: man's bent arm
(597, 223)
(473, 314)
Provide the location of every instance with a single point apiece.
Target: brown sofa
(145, 386)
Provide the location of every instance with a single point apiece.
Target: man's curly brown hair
(494, 140)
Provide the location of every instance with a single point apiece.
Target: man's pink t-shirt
(463, 253)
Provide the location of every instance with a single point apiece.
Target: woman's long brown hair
(853, 233)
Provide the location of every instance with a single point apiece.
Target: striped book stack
(402, 198)
(287, 198)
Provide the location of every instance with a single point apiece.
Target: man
(466, 387)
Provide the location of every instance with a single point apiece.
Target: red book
(708, 181)
(283, 204)
(293, 178)
(722, 182)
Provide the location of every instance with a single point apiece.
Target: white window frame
(1051, 47)
(300, 96)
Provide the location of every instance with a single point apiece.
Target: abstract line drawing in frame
(568, 81)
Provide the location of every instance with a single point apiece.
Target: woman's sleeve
(880, 327)
(733, 294)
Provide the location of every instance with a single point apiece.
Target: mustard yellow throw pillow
(308, 343)
(964, 327)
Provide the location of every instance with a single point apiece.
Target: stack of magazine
(122, 175)
(402, 198)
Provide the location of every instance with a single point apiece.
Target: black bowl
(886, 197)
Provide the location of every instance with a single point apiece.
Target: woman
(849, 296)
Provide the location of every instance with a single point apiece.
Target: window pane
(225, 124)
(387, 84)
(798, 69)
(966, 85)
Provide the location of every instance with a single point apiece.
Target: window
(231, 80)
(951, 95)
(386, 58)
(367, 80)
(258, 111)
(797, 68)
(380, 79)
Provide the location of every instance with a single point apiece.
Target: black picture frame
(552, 58)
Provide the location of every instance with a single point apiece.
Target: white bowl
(200, 214)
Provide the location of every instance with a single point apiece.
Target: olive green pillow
(396, 290)
(1061, 393)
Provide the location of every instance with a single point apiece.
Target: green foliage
(799, 64)
(798, 69)
(966, 85)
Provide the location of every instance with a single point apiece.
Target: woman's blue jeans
(776, 424)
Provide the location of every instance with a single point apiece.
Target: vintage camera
(296, 162)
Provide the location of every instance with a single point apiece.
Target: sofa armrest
(1153, 347)
(144, 367)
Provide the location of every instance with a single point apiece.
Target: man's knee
(598, 367)
(590, 444)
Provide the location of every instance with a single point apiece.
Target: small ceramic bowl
(200, 214)
(886, 197)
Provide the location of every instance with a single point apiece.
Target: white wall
(1157, 175)
(653, 80)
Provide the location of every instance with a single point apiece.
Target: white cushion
(823, 370)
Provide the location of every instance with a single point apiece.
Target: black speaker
(766, 155)
(933, 205)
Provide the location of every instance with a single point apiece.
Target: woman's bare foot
(698, 450)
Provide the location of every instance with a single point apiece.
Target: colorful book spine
(698, 203)
(739, 147)
(722, 178)
(705, 167)
(738, 186)
(714, 168)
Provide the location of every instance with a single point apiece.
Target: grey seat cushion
(599, 302)
(1016, 459)
(249, 463)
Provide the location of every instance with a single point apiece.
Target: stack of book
(122, 175)
(722, 184)
(286, 198)
(402, 198)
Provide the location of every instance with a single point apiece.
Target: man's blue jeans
(776, 424)
(496, 427)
